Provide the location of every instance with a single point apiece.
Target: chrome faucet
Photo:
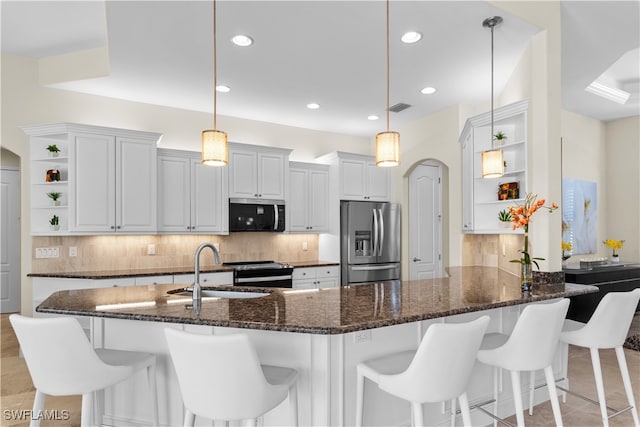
(197, 290)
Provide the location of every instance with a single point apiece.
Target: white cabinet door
(243, 178)
(298, 200)
(353, 179)
(318, 205)
(378, 183)
(209, 202)
(135, 186)
(154, 280)
(93, 183)
(174, 194)
(271, 169)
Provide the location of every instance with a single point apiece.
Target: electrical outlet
(73, 251)
(305, 247)
(504, 249)
(151, 249)
(362, 336)
(47, 252)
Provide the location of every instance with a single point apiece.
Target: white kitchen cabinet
(308, 204)
(166, 279)
(108, 178)
(258, 172)
(359, 178)
(206, 279)
(316, 277)
(480, 200)
(192, 197)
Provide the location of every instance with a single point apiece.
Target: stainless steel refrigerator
(369, 242)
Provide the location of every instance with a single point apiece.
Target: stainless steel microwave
(256, 215)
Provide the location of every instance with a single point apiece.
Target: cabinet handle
(112, 227)
(255, 195)
(118, 227)
(188, 227)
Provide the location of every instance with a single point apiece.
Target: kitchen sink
(220, 293)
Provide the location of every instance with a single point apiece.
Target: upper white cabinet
(481, 198)
(257, 172)
(192, 197)
(308, 204)
(110, 174)
(359, 178)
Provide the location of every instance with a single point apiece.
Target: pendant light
(215, 148)
(388, 143)
(492, 162)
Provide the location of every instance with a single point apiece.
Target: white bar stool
(221, 378)
(437, 371)
(62, 362)
(530, 347)
(607, 328)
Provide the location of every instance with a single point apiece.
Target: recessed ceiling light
(313, 106)
(411, 37)
(428, 90)
(223, 88)
(242, 40)
(373, 117)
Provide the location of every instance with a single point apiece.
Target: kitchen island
(323, 333)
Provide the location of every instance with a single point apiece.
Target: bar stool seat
(607, 328)
(62, 362)
(437, 371)
(221, 378)
(530, 347)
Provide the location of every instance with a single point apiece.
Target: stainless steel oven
(262, 274)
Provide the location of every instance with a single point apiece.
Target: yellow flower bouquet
(614, 245)
(566, 247)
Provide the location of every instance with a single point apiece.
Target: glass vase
(526, 276)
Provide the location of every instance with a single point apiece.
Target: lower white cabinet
(316, 277)
(206, 279)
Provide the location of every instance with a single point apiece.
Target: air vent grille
(400, 106)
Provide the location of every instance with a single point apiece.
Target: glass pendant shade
(388, 149)
(215, 150)
(492, 164)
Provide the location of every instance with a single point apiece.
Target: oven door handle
(263, 279)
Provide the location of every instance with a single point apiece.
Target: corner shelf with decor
(49, 184)
(484, 198)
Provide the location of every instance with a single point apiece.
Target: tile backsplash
(98, 253)
(487, 250)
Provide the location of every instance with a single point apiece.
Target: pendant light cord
(492, 26)
(387, 65)
(215, 69)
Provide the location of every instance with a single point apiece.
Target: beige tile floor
(16, 388)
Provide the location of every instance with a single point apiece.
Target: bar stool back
(221, 378)
(530, 347)
(607, 328)
(62, 362)
(438, 371)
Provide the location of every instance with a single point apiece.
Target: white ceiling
(329, 52)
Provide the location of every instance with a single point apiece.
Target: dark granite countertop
(317, 311)
(160, 271)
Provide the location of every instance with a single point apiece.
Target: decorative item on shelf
(500, 138)
(567, 247)
(53, 149)
(215, 146)
(509, 190)
(492, 162)
(614, 245)
(55, 197)
(504, 216)
(53, 175)
(388, 142)
(521, 217)
(54, 223)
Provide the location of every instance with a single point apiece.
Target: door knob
(416, 259)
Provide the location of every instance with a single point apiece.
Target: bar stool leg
(453, 412)
(153, 389)
(189, 418)
(624, 370)
(517, 397)
(38, 405)
(496, 378)
(553, 395)
(293, 404)
(85, 417)
(359, 398)
(532, 390)
(597, 373)
(417, 414)
(464, 409)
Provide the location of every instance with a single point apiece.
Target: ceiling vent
(400, 106)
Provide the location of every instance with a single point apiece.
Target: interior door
(425, 222)
(9, 241)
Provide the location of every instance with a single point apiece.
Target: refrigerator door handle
(375, 232)
(374, 267)
(381, 233)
